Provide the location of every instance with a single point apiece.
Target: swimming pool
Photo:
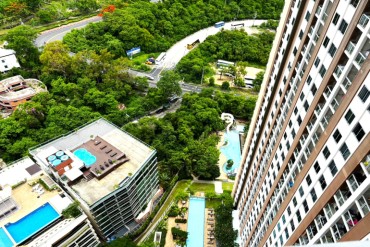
(4, 239)
(196, 222)
(32, 223)
(232, 149)
(85, 156)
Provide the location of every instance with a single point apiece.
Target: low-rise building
(32, 210)
(8, 60)
(17, 90)
(111, 173)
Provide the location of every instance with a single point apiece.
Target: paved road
(59, 32)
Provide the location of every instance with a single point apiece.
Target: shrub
(179, 234)
(225, 85)
(174, 211)
(72, 211)
(180, 220)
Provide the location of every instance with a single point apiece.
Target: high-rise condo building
(305, 171)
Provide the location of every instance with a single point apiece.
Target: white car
(151, 78)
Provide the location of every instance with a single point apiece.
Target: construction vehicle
(150, 61)
(192, 45)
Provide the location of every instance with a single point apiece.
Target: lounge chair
(107, 152)
(97, 143)
(102, 167)
(110, 161)
(103, 147)
(106, 164)
(112, 155)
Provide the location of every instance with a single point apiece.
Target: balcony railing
(338, 70)
(350, 47)
(328, 91)
(346, 83)
(324, 17)
(318, 11)
(360, 59)
(364, 20)
(311, 31)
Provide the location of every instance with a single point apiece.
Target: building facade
(112, 174)
(8, 60)
(305, 172)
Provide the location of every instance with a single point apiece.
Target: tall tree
(169, 84)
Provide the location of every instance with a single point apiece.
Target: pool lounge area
(232, 149)
(27, 226)
(196, 221)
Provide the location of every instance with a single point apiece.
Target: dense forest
(155, 27)
(233, 46)
(94, 82)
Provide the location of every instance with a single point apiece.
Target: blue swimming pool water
(4, 239)
(232, 149)
(196, 222)
(32, 223)
(85, 156)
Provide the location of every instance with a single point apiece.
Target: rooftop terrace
(93, 188)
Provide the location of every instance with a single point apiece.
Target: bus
(237, 25)
(223, 63)
(160, 58)
(219, 24)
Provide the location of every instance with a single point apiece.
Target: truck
(219, 24)
(191, 46)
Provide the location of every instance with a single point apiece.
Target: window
(317, 62)
(299, 218)
(349, 116)
(3, 61)
(333, 168)
(283, 219)
(286, 233)
(343, 26)
(313, 89)
(295, 51)
(301, 192)
(301, 34)
(278, 226)
(290, 125)
(322, 182)
(322, 71)
(358, 131)
(305, 206)
(305, 105)
(337, 136)
(308, 180)
(292, 225)
(345, 151)
(293, 133)
(288, 210)
(332, 50)
(335, 19)
(309, 79)
(295, 111)
(299, 120)
(301, 96)
(316, 166)
(313, 195)
(326, 41)
(308, 14)
(6, 66)
(364, 94)
(326, 152)
(294, 201)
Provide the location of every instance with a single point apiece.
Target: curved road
(173, 55)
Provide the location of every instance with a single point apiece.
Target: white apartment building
(8, 60)
(305, 172)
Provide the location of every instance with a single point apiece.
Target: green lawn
(142, 57)
(200, 187)
(227, 186)
(213, 203)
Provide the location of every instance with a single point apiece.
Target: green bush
(72, 211)
(225, 85)
(179, 234)
(174, 211)
(180, 220)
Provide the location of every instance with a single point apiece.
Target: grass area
(142, 57)
(213, 203)
(201, 187)
(227, 186)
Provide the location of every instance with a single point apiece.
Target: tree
(21, 40)
(169, 84)
(230, 163)
(211, 81)
(225, 85)
(258, 81)
(56, 59)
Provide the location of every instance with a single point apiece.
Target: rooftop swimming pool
(196, 222)
(4, 239)
(232, 149)
(32, 223)
(84, 155)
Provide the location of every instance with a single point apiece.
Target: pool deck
(222, 159)
(209, 240)
(171, 223)
(27, 201)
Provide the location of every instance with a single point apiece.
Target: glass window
(299, 218)
(358, 131)
(306, 105)
(326, 152)
(301, 192)
(299, 120)
(349, 116)
(301, 96)
(313, 195)
(295, 51)
(305, 206)
(314, 89)
(288, 210)
(345, 151)
(332, 50)
(317, 62)
(336, 18)
(333, 168)
(322, 70)
(308, 180)
(309, 79)
(343, 26)
(364, 94)
(308, 14)
(301, 34)
(322, 182)
(337, 136)
(326, 41)
(316, 166)
(294, 201)
(292, 225)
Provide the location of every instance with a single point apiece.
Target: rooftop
(4, 84)
(93, 179)
(6, 52)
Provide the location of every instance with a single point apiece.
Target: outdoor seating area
(107, 156)
(209, 232)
